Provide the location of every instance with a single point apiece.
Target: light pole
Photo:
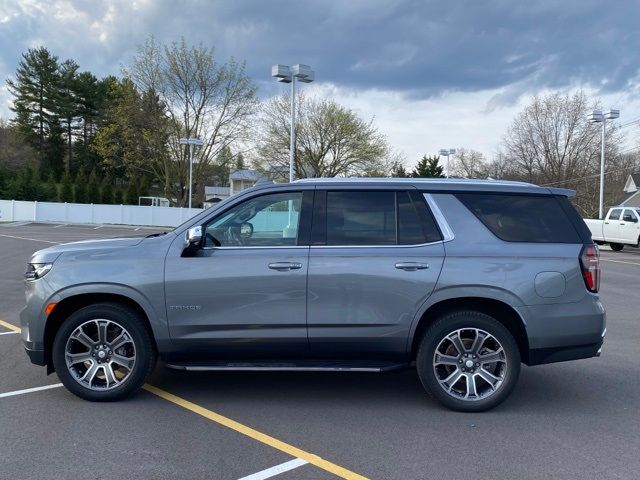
(598, 117)
(447, 153)
(191, 142)
(286, 74)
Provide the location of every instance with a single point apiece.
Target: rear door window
(522, 218)
(372, 218)
(361, 218)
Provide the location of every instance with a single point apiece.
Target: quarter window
(522, 218)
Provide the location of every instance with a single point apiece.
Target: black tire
(616, 247)
(140, 338)
(467, 321)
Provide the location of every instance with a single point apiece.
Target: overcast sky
(434, 74)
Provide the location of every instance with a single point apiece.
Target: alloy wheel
(100, 354)
(470, 364)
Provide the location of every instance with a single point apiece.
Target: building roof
(216, 191)
(253, 175)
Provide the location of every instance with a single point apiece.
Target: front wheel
(468, 361)
(616, 247)
(103, 352)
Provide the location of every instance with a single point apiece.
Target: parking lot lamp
(192, 142)
(598, 117)
(286, 74)
(447, 153)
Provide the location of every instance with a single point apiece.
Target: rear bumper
(539, 356)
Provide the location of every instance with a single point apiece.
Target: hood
(49, 255)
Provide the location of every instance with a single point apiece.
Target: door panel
(229, 302)
(360, 303)
(611, 226)
(242, 294)
(629, 231)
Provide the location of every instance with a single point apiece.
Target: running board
(346, 366)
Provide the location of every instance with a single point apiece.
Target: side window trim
(445, 228)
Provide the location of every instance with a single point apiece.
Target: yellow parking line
(10, 326)
(243, 429)
(256, 435)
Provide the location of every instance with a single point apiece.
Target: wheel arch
(498, 309)
(72, 303)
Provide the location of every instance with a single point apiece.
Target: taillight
(590, 264)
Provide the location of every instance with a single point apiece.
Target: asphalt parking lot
(573, 420)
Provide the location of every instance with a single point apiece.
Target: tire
(616, 247)
(103, 352)
(491, 381)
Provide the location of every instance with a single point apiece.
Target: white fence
(15, 210)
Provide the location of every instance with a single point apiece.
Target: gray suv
(463, 279)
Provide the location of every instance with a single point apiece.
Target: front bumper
(37, 357)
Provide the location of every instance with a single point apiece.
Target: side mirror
(193, 237)
(629, 218)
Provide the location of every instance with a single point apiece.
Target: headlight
(37, 270)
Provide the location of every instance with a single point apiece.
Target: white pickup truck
(619, 228)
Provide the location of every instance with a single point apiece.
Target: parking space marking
(8, 333)
(619, 261)
(32, 239)
(61, 225)
(256, 435)
(276, 470)
(10, 326)
(30, 390)
(298, 453)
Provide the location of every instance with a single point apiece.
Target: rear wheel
(103, 352)
(616, 247)
(468, 361)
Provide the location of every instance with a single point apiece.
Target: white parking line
(619, 261)
(29, 390)
(62, 225)
(32, 239)
(276, 470)
(8, 333)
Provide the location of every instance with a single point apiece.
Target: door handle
(411, 266)
(623, 224)
(285, 266)
(606, 223)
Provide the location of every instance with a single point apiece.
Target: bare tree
(552, 143)
(214, 102)
(331, 140)
(469, 163)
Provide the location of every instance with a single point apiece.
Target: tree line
(77, 137)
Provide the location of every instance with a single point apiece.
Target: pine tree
(240, 161)
(93, 188)
(106, 195)
(35, 93)
(67, 105)
(118, 197)
(428, 167)
(131, 197)
(399, 171)
(65, 194)
(49, 189)
(80, 191)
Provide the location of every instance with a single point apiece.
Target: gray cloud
(421, 48)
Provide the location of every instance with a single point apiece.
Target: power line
(575, 179)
